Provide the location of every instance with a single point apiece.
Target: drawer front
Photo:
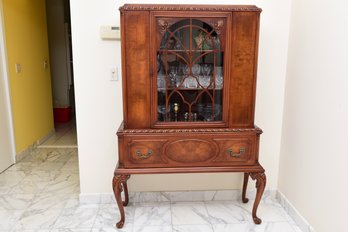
(145, 152)
(236, 150)
(189, 151)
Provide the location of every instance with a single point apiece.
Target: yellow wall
(27, 44)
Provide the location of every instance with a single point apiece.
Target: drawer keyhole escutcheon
(144, 156)
(236, 155)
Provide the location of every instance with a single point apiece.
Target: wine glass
(173, 72)
(206, 71)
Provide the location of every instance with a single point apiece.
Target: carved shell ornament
(163, 25)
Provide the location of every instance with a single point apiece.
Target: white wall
(99, 105)
(314, 150)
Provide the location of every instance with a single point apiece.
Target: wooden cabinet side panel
(243, 68)
(135, 58)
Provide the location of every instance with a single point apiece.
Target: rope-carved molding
(189, 8)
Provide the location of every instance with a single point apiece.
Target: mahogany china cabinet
(189, 81)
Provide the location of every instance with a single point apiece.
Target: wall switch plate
(114, 74)
(18, 68)
(45, 64)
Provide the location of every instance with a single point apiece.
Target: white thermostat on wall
(110, 32)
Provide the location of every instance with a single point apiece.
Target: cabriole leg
(245, 185)
(260, 178)
(119, 183)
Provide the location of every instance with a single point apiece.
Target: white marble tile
(64, 183)
(14, 176)
(145, 197)
(267, 212)
(15, 201)
(50, 166)
(109, 215)
(26, 168)
(127, 227)
(107, 198)
(39, 175)
(29, 186)
(250, 227)
(81, 217)
(37, 219)
(90, 198)
(152, 228)
(155, 215)
(71, 167)
(227, 195)
(186, 196)
(190, 213)
(71, 230)
(193, 228)
(226, 212)
(46, 201)
(8, 218)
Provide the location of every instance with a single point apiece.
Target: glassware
(206, 112)
(219, 78)
(206, 71)
(196, 69)
(173, 72)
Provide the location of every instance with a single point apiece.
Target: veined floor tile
(109, 215)
(271, 212)
(82, 216)
(226, 212)
(46, 201)
(152, 228)
(15, 201)
(9, 218)
(250, 227)
(37, 219)
(155, 215)
(193, 228)
(189, 213)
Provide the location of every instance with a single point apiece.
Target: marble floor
(64, 136)
(41, 193)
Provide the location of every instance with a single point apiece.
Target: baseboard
(21, 155)
(301, 222)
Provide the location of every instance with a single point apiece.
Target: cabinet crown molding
(168, 7)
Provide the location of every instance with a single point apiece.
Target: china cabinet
(189, 80)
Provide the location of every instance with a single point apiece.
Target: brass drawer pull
(236, 155)
(144, 156)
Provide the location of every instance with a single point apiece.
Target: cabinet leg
(260, 178)
(119, 183)
(245, 185)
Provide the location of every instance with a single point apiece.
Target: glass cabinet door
(190, 70)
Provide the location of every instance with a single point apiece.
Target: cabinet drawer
(236, 150)
(145, 151)
(190, 151)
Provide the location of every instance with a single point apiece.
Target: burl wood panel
(136, 86)
(190, 150)
(243, 68)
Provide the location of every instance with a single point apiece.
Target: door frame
(4, 79)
